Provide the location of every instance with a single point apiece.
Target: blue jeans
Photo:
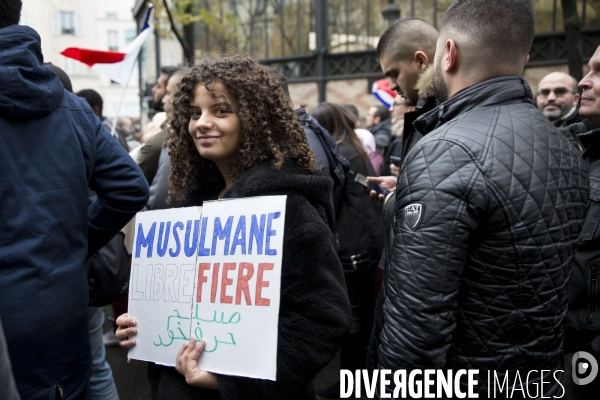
(102, 384)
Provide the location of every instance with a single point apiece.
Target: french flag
(381, 90)
(117, 66)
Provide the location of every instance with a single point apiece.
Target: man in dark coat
(558, 99)
(583, 321)
(379, 123)
(489, 206)
(405, 52)
(53, 149)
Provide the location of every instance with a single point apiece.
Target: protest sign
(212, 273)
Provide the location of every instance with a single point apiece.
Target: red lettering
(242, 283)
(258, 300)
(225, 281)
(214, 283)
(201, 279)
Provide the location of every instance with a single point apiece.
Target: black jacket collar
(411, 136)
(589, 141)
(493, 92)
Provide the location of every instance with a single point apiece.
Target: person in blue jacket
(52, 150)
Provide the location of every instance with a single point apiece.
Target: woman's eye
(222, 111)
(196, 114)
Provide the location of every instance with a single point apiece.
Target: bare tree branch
(184, 46)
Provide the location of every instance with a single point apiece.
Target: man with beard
(489, 206)
(558, 99)
(149, 154)
(405, 52)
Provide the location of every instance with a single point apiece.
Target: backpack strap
(339, 166)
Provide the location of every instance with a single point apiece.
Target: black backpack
(340, 170)
(108, 272)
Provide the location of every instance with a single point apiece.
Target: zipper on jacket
(593, 291)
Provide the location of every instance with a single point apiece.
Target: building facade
(92, 24)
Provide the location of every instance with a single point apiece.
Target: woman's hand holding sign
(187, 365)
(187, 358)
(126, 329)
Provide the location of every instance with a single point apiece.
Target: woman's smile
(214, 125)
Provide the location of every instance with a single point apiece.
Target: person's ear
(376, 120)
(96, 110)
(420, 60)
(450, 56)
(527, 59)
(576, 98)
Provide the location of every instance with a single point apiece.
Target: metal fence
(324, 40)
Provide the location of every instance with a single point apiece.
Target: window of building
(130, 34)
(113, 41)
(67, 23)
(111, 15)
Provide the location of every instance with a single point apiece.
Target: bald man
(405, 52)
(558, 99)
(489, 206)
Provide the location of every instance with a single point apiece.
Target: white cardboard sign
(212, 273)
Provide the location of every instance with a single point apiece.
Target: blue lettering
(203, 251)
(270, 232)
(161, 244)
(191, 249)
(147, 241)
(177, 225)
(239, 239)
(222, 233)
(257, 232)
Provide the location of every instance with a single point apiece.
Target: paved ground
(132, 382)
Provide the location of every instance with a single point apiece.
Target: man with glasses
(558, 99)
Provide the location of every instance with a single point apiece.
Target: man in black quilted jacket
(489, 206)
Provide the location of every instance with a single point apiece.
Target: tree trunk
(189, 37)
(573, 38)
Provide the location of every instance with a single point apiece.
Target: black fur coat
(314, 311)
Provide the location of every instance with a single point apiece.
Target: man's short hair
(499, 32)
(404, 38)
(92, 97)
(10, 12)
(169, 71)
(62, 75)
(382, 112)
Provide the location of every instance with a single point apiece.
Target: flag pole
(133, 64)
(114, 124)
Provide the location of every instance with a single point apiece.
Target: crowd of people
(484, 255)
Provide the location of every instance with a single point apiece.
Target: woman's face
(214, 125)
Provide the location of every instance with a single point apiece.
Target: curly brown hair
(270, 132)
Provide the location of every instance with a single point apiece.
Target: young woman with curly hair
(233, 134)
